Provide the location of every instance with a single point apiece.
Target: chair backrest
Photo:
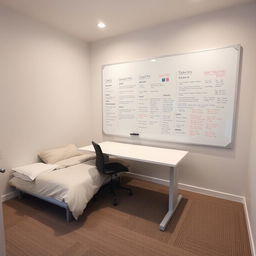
(99, 157)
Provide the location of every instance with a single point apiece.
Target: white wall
(212, 168)
(44, 90)
(46, 98)
(2, 233)
(251, 182)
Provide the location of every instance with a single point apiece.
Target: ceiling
(79, 17)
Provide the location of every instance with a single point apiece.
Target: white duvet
(74, 185)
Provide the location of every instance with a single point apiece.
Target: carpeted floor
(201, 226)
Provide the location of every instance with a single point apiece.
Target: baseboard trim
(9, 195)
(248, 223)
(208, 192)
(211, 192)
(195, 189)
(147, 178)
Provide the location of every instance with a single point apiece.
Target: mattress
(73, 185)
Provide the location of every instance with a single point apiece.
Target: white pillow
(21, 176)
(75, 160)
(54, 155)
(33, 170)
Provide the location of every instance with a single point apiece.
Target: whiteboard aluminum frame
(237, 47)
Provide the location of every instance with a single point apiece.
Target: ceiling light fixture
(101, 25)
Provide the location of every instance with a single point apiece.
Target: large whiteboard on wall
(185, 98)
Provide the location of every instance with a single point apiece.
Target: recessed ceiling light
(101, 25)
(153, 60)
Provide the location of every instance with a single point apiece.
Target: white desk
(154, 155)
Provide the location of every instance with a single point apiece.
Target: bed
(71, 185)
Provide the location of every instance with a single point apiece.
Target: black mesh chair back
(99, 157)
(110, 168)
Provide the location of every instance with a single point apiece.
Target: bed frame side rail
(50, 200)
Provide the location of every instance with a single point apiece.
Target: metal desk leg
(174, 198)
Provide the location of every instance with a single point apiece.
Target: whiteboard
(185, 98)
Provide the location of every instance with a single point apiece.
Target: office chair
(110, 168)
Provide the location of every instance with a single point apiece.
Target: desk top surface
(154, 155)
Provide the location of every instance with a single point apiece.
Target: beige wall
(251, 182)
(213, 168)
(46, 98)
(44, 90)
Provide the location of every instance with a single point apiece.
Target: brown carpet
(201, 226)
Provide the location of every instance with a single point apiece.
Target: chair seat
(114, 167)
(104, 165)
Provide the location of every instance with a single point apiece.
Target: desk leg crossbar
(174, 198)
